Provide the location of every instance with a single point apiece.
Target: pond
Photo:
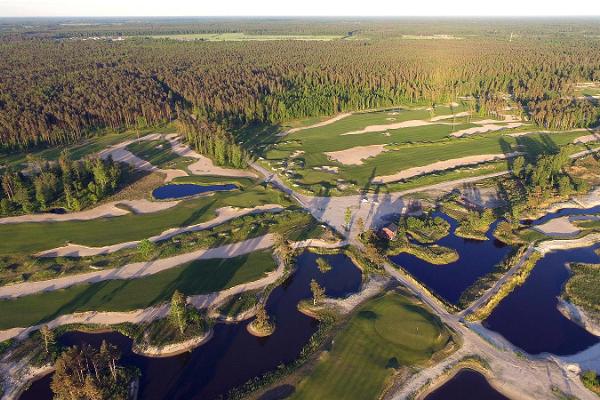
(476, 258)
(529, 317)
(467, 384)
(232, 356)
(179, 190)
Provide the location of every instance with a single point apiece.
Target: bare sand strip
(559, 227)
(441, 166)
(204, 165)
(550, 245)
(398, 125)
(317, 125)
(485, 128)
(224, 214)
(112, 209)
(356, 155)
(594, 137)
(139, 269)
(457, 115)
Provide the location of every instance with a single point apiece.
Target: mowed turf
(388, 332)
(28, 238)
(198, 277)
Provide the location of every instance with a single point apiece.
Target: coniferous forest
(56, 88)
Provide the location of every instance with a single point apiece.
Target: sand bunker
(485, 128)
(594, 137)
(381, 128)
(111, 209)
(317, 125)
(441, 166)
(443, 117)
(356, 155)
(558, 227)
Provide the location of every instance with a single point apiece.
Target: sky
(104, 8)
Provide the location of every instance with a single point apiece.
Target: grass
(406, 147)
(385, 334)
(582, 287)
(86, 147)
(292, 224)
(159, 154)
(197, 277)
(28, 238)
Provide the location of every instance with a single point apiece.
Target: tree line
(68, 184)
(56, 92)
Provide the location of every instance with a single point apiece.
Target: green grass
(159, 154)
(240, 36)
(198, 277)
(582, 286)
(28, 238)
(87, 147)
(388, 332)
(406, 147)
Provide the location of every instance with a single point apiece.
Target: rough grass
(27, 238)
(385, 334)
(197, 277)
(582, 286)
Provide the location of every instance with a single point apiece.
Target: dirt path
(112, 209)
(317, 125)
(139, 269)
(224, 214)
(441, 166)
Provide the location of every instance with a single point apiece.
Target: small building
(389, 231)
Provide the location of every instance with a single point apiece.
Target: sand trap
(594, 137)
(224, 214)
(327, 168)
(204, 165)
(381, 128)
(486, 128)
(443, 117)
(559, 227)
(441, 166)
(111, 209)
(317, 125)
(356, 155)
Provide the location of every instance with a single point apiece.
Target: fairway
(34, 237)
(426, 139)
(388, 332)
(197, 277)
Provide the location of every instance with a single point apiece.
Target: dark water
(232, 356)
(564, 212)
(476, 258)
(528, 317)
(176, 191)
(466, 385)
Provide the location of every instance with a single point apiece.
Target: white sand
(381, 128)
(443, 117)
(486, 128)
(224, 214)
(317, 125)
(356, 155)
(441, 166)
(594, 137)
(141, 206)
(559, 227)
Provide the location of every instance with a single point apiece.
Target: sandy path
(356, 155)
(594, 137)
(141, 206)
(441, 166)
(204, 165)
(224, 214)
(317, 125)
(485, 128)
(139, 269)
